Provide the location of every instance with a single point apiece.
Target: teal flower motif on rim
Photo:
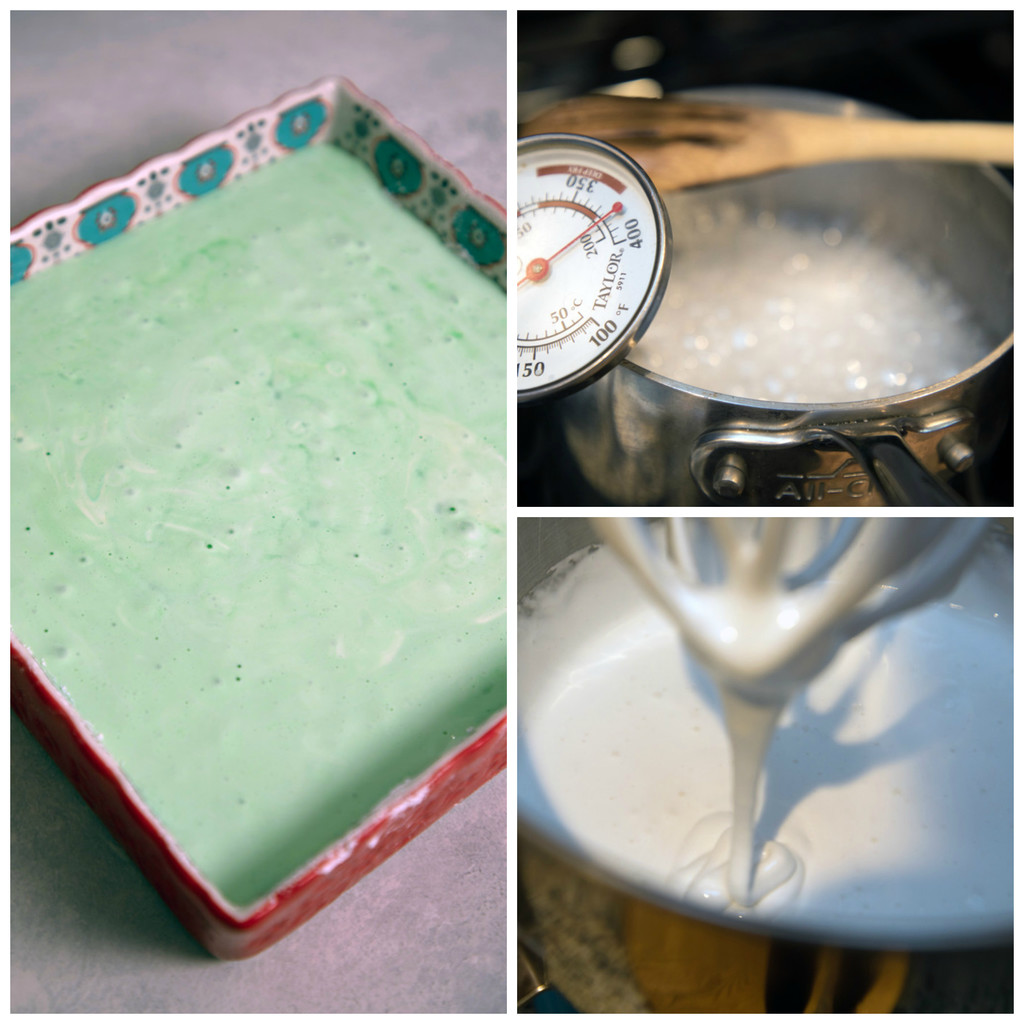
(478, 236)
(21, 260)
(205, 172)
(106, 219)
(295, 127)
(398, 168)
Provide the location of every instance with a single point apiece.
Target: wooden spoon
(690, 142)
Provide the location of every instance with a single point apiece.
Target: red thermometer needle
(539, 268)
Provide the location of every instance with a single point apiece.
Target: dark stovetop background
(930, 64)
(942, 64)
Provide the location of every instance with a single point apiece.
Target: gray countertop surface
(93, 95)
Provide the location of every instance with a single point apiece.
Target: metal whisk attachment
(765, 604)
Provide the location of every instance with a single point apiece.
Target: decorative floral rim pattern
(329, 110)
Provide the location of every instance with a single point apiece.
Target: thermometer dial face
(593, 250)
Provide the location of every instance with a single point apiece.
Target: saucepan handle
(902, 463)
(899, 476)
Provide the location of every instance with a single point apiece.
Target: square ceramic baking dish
(329, 112)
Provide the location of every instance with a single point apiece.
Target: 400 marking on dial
(592, 261)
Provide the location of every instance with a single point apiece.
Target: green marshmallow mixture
(258, 507)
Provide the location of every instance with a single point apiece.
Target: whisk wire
(788, 624)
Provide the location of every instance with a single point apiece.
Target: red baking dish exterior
(227, 931)
(467, 220)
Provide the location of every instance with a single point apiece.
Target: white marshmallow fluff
(883, 808)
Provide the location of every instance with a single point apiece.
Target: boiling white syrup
(888, 785)
(777, 308)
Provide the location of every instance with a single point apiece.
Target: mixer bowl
(635, 437)
(617, 940)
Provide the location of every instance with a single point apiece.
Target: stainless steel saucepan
(635, 437)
